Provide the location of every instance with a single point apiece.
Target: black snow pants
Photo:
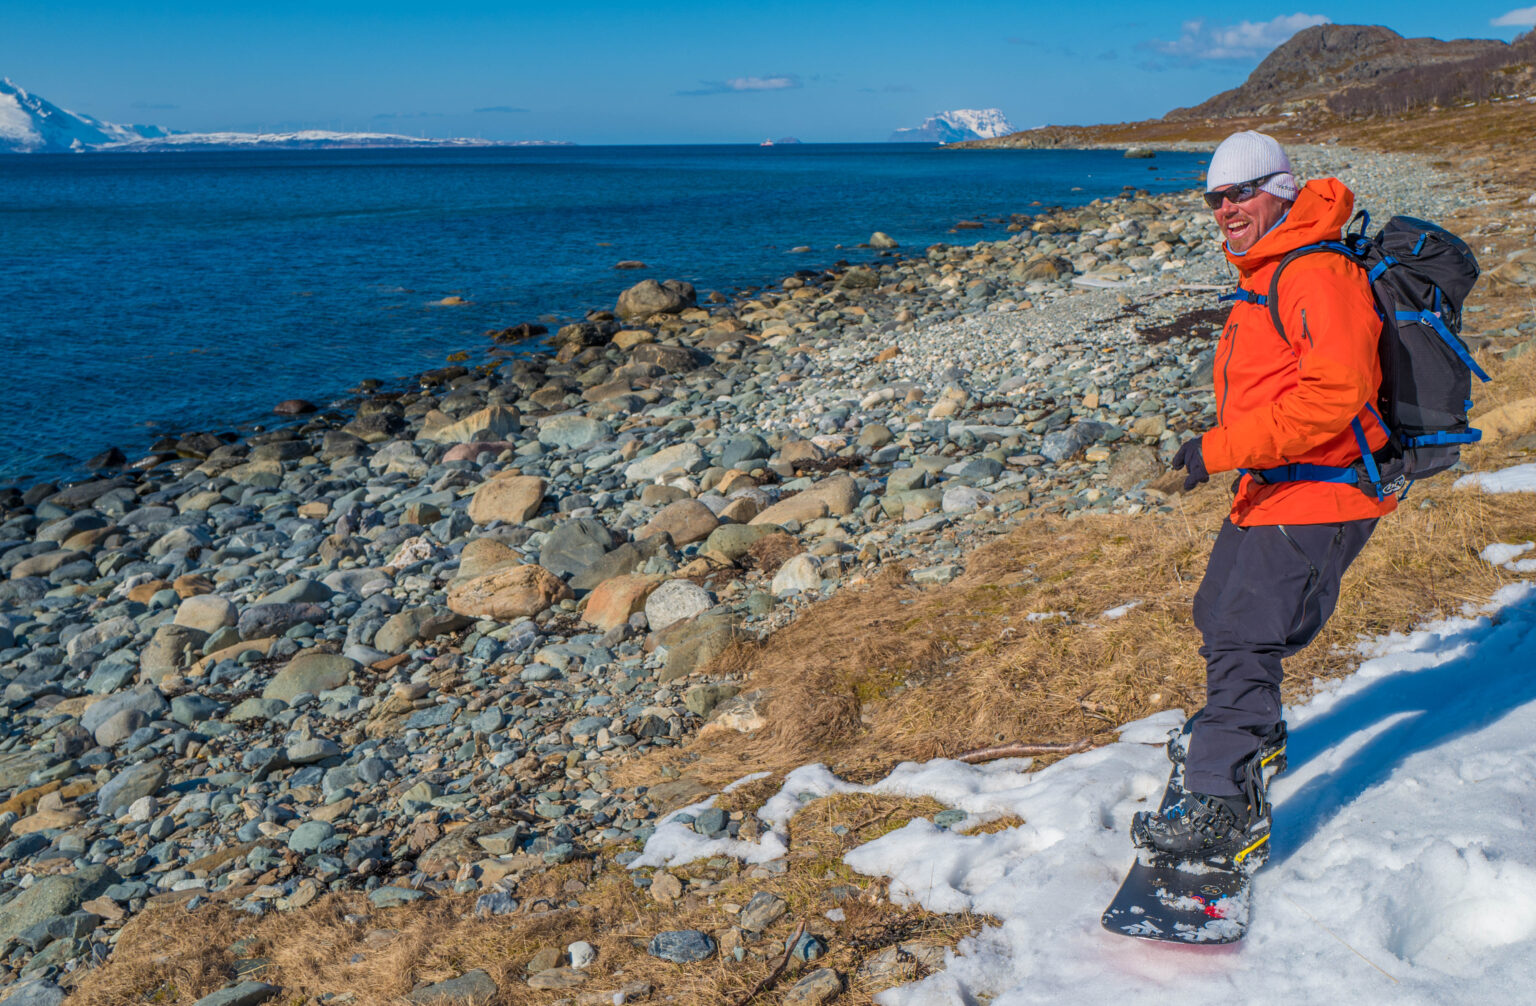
(1267, 591)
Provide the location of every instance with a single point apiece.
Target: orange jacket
(1278, 403)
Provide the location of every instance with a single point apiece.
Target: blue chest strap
(1246, 296)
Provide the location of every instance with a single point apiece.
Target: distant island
(30, 124)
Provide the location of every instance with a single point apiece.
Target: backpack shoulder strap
(1334, 247)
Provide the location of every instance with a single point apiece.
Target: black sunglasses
(1239, 193)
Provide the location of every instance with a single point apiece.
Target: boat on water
(766, 143)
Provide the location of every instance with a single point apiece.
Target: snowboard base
(1190, 903)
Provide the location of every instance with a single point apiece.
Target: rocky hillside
(1361, 84)
(1320, 62)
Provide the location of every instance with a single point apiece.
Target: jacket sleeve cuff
(1216, 452)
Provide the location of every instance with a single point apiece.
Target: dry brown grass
(891, 671)
(341, 945)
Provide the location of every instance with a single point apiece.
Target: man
(1274, 572)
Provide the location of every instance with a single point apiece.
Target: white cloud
(768, 82)
(776, 83)
(1200, 39)
(1520, 17)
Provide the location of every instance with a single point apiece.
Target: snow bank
(1404, 864)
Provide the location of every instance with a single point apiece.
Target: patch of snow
(1518, 479)
(1405, 854)
(1120, 611)
(958, 124)
(1503, 555)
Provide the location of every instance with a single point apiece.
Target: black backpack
(1420, 275)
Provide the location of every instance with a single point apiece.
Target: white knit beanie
(1243, 157)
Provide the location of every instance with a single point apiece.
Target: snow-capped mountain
(956, 125)
(30, 124)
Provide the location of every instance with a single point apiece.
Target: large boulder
(675, 601)
(262, 620)
(573, 432)
(143, 779)
(310, 672)
(510, 500)
(144, 698)
(206, 612)
(801, 507)
(686, 521)
(495, 422)
(612, 602)
(649, 297)
(485, 555)
(671, 359)
(53, 897)
(172, 649)
(573, 545)
(508, 594)
(679, 459)
(734, 540)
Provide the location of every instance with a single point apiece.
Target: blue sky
(684, 72)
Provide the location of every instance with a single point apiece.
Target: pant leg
(1267, 592)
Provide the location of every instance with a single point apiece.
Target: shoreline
(404, 654)
(137, 441)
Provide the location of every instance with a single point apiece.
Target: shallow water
(148, 293)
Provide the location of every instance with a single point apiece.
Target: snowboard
(1192, 901)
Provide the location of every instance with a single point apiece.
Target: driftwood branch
(773, 975)
(1022, 751)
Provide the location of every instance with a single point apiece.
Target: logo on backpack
(1420, 275)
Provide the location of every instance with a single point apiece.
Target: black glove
(1192, 460)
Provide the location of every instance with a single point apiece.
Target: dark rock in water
(86, 493)
(859, 278)
(109, 458)
(682, 946)
(517, 333)
(649, 297)
(584, 333)
(629, 263)
(295, 407)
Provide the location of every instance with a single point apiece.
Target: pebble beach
(399, 643)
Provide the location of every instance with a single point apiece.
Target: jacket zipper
(1304, 330)
(1226, 385)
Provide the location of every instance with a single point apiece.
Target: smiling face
(1242, 224)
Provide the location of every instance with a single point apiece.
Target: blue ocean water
(155, 293)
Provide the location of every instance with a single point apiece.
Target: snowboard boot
(1221, 830)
